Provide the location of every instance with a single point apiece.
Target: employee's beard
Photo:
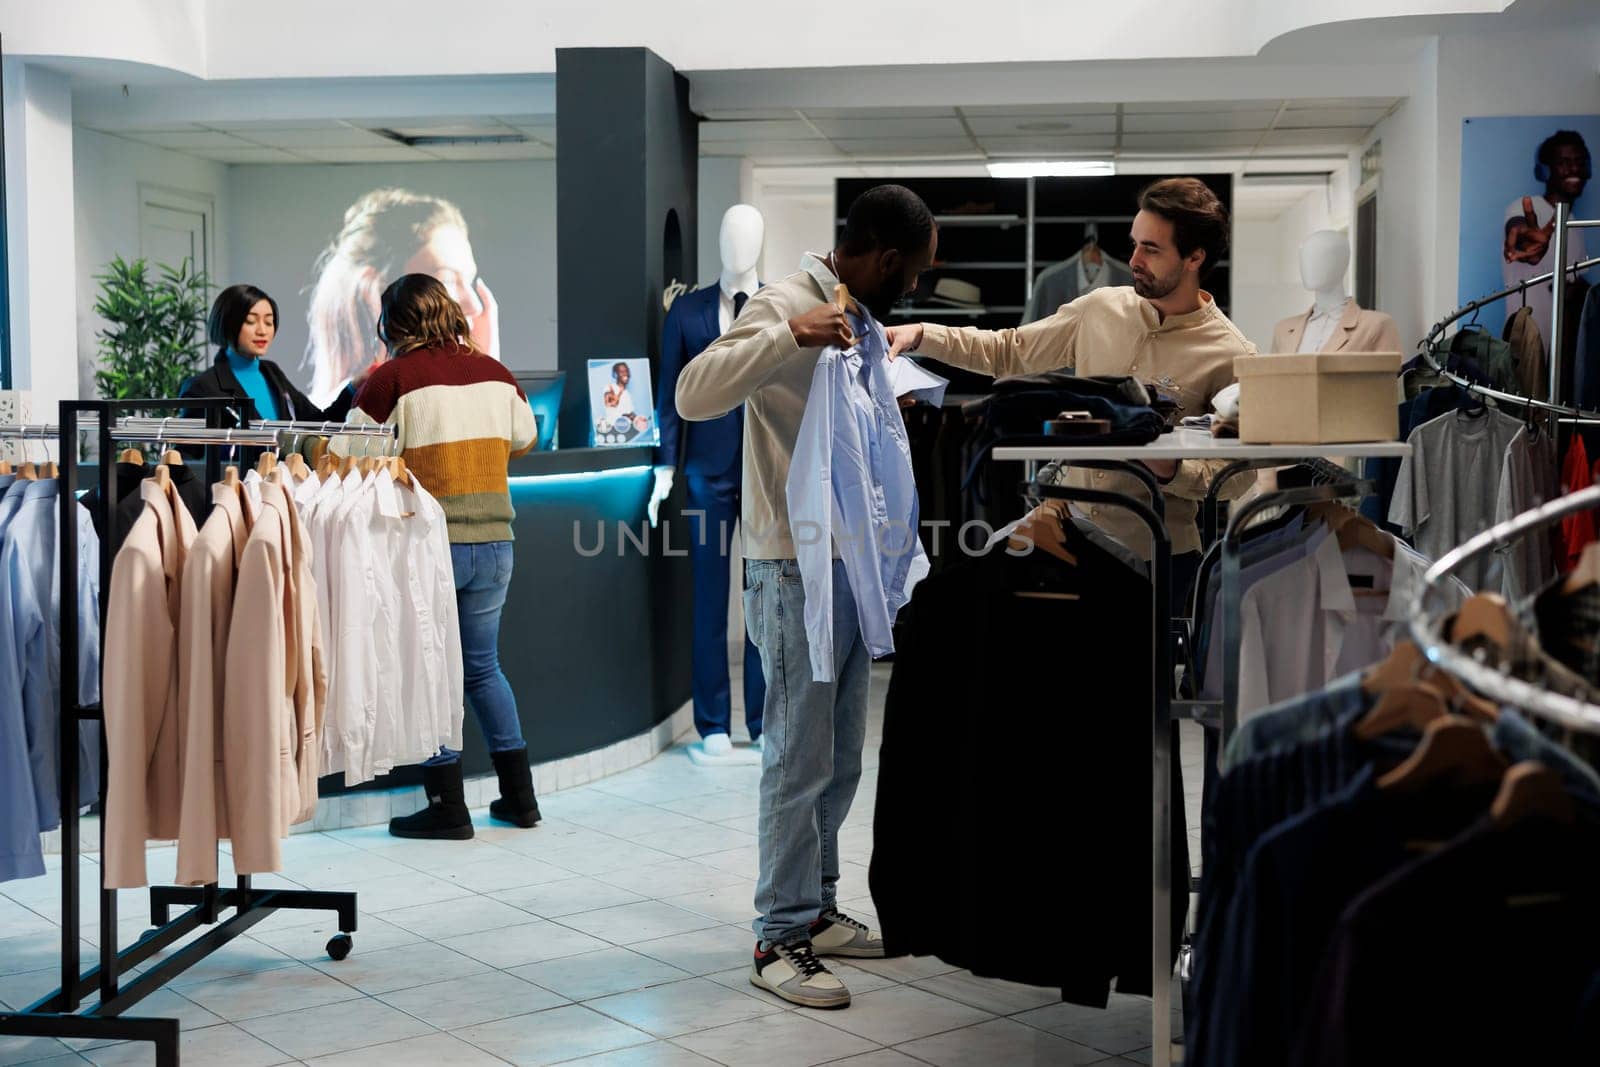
(881, 305)
(1153, 288)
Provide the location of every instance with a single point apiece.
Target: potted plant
(154, 338)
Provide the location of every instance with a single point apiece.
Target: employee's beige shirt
(757, 363)
(140, 685)
(1115, 331)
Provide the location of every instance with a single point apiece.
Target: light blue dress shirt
(30, 650)
(851, 489)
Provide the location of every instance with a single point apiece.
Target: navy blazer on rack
(707, 448)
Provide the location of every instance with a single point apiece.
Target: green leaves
(154, 338)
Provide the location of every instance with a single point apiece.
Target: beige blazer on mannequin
(1359, 331)
(273, 706)
(140, 685)
(209, 577)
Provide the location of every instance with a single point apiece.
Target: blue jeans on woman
(483, 574)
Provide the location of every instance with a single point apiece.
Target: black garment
(1569, 627)
(739, 302)
(958, 841)
(187, 481)
(1297, 881)
(292, 403)
(1480, 953)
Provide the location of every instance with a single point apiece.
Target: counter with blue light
(596, 630)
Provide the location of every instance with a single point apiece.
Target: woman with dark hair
(458, 417)
(243, 322)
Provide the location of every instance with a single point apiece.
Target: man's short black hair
(1561, 139)
(887, 217)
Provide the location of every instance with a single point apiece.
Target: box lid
(1318, 363)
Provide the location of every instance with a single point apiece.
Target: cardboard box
(1334, 397)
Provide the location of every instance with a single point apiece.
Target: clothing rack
(1161, 730)
(57, 1014)
(1428, 632)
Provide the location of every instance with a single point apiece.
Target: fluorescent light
(1064, 168)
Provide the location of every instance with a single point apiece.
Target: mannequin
(710, 454)
(1335, 323)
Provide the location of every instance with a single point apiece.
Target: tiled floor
(613, 935)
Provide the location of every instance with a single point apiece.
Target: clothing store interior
(645, 536)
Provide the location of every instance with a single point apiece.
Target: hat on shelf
(957, 292)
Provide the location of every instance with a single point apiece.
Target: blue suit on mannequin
(709, 454)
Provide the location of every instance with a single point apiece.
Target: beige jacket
(1115, 331)
(1527, 345)
(757, 363)
(140, 686)
(276, 690)
(1359, 330)
(209, 576)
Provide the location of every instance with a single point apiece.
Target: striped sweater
(458, 418)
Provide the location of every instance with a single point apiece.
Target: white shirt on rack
(1319, 330)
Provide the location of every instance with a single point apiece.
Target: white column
(41, 259)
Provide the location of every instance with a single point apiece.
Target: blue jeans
(483, 573)
(811, 763)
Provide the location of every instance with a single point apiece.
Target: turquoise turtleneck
(248, 371)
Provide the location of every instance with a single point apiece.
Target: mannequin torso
(1335, 322)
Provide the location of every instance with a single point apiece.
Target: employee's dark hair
(1560, 139)
(887, 217)
(229, 311)
(418, 312)
(1198, 218)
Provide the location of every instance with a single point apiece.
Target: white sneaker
(717, 745)
(836, 934)
(794, 973)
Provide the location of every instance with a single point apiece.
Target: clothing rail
(58, 1014)
(1428, 633)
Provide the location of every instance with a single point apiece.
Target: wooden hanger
(162, 476)
(397, 470)
(348, 467)
(1532, 790)
(5, 466)
(297, 467)
(1586, 573)
(326, 464)
(1405, 663)
(230, 478)
(1410, 703)
(843, 300)
(1483, 615)
(131, 455)
(267, 463)
(1042, 526)
(1452, 751)
(27, 472)
(48, 470)
(172, 458)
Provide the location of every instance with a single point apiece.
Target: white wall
(39, 222)
(280, 217)
(107, 174)
(1266, 266)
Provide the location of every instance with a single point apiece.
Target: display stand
(57, 1014)
(1182, 444)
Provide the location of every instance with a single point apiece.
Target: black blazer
(292, 403)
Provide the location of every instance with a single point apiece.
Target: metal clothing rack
(1428, 632)
(1160, 726)
(58, 1014)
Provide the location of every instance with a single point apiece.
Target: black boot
(517, 804)
(446, 817)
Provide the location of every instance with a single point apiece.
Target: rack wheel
(339, 946)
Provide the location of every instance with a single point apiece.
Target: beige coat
(277, 689)
(140, 686)
(1358, 331)
(209, 576)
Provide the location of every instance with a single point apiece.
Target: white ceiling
(341, 141)
(1246, 130)
(1250, 130)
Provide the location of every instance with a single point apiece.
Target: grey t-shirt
(1448, 487)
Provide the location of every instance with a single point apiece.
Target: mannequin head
(1324, 258)
(743, 232)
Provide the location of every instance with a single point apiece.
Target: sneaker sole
(792, 998)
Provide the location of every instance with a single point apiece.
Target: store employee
(1163, 329)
